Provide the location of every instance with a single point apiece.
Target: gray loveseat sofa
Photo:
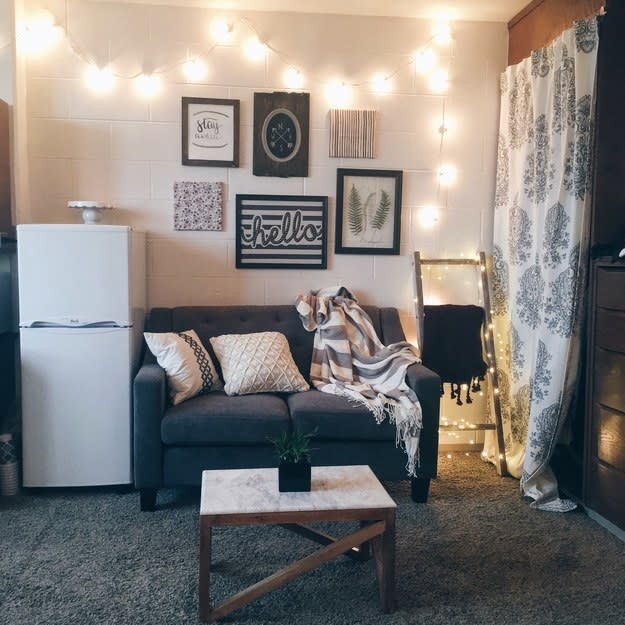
(174, 444)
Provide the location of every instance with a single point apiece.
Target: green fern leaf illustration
(381, 214)
(368, 208)
(354, 211)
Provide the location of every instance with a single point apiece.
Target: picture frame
(280, 134)
(281, 231)
(210, 132)
(368, 211)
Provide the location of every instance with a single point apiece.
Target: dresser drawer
(611, 288)
(609, 389)
(610, 330)
(605, 492)
(609, 437)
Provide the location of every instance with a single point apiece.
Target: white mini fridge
(81, 306)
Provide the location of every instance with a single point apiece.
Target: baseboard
(613, 529)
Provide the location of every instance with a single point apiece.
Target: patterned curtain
(541, 248)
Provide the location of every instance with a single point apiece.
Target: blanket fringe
(404, 415)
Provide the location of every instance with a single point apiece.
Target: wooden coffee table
(251, 497)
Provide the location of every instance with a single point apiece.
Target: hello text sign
(281, 232)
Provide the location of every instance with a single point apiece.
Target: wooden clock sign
(281, 134)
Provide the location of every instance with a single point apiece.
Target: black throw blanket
(452, 346)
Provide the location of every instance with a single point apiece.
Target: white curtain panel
(541, 248)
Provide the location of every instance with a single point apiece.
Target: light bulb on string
(439, 81)
(428, 216)
(255, 49)
(99, 80)
(222, 31)
(39, 34)
(447, 174)
(441, 33)
(338, 94)
(381, 84)
(293, 78)
(425, 60)
(147, 85)
(195, 70)
(445, 126)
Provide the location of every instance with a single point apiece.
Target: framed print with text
(368, 211)
(210, 132)
(281, 231)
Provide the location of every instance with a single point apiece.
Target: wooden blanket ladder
(488, 343)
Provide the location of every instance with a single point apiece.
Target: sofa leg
(147, 499)
(419, 488)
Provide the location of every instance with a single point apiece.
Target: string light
(222, 31)
(99, 80)
(254, 49)
(424, 60)
(441, 33)
(447, 174)
(42, 31)
(338, 94)
(446, 126)
(195, 70)
(40, 34)
(293, 78)
(147, 85)
(439, 81)
(428, 216)
(381, 84)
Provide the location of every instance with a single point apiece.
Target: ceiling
(470, 10)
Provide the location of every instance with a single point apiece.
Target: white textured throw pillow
(189, 368)
(260, 362)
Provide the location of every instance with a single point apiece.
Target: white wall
(7, 61)
(126, 150)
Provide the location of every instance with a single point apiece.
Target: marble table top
(255, 491)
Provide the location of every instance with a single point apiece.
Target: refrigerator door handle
(74, 323)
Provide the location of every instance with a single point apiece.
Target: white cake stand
(91, 211)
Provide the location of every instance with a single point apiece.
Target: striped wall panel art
(281, 231)
(352, 133)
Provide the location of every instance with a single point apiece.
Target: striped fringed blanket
(349, 359)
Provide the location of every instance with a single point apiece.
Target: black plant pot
(294, 476)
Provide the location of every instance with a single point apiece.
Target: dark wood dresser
(604, 476)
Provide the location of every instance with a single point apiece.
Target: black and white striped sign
(281, 232)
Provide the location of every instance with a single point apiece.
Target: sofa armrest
(427, 385)
(149, 397)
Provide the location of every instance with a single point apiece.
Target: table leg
(365, 548)
(384, 553)
(205, 566)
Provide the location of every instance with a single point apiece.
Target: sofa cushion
(336, 418)
(189, 367)
(222, 420)
(258, 362)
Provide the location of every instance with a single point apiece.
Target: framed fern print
(368, 211)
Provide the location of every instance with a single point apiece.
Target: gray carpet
(475, 554)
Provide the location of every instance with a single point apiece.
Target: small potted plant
(293, 449)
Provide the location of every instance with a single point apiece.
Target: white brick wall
(124, 149)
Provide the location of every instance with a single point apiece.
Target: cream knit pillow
(260, 362)
(189, 368)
